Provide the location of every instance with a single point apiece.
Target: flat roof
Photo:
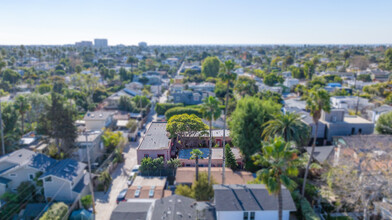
(356, 120)
(155, 138)
(186, 175)
(149, 181)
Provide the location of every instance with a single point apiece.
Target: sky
(173, 22)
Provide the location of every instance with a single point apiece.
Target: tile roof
(155, 138)
(186, 175)
(249, 197)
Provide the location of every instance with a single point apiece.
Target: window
(360, 131)
(252, 215)
(246, 215)
(31, 176)
(12, 174)
(48, 179)
(352, 131)
(146, 155)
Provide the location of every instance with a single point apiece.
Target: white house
(21, 165)
(98, 120)
(93, 143)
(374, 114)
(349, 102)
(290, 82)
(250, 202)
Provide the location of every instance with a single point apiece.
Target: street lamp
(89, 170)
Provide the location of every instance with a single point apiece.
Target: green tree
(126, 104)
(22, 106)
(105, 179)
(245, 86)
(271, 79)
(281, 164)
(202, 190)
(289, 126)
(226, 74)
(210, 67)
(26, 191)
(231, 161)
(78, 68)
(184, 190)
(384, 124)
(111, 139)
(365, 77)
(211, 111)
(318, 101)
(196, 154)
(173, 164)
(57, 211)
(388, 59)
(184, 127)
(132, 125)
(182, 110)
(246, 123)
(11, 76)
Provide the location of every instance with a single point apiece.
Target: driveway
(106, 202)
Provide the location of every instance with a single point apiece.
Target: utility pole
(2, 132)
(89, 170)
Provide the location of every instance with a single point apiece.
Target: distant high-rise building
(100, 42)
(142, 44)
(84, 44)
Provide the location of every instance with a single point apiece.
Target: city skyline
(196, 22)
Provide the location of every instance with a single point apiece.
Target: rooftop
(149, 181)
(147, 192)
(156, 137)
(131, 210)
(66, 169)
(24, 157)
(97, 115)
(356, 120)
(186, 175)
(249, 197)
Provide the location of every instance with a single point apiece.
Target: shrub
(87, 201)
(56, 212)
(182, 110)
(161, 108)
(307, 211)
(202, 191)
(184, 190)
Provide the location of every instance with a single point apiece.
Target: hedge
(161, 108)
(56, 212)
(307, 210)
(182, 110)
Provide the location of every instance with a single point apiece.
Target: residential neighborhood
(185, 117)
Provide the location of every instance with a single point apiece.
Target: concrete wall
(320, 131)
(345, 129)
(259, 215)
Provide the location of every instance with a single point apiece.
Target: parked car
(132, 175)
(121, 196)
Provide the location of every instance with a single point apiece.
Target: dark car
(121, 196)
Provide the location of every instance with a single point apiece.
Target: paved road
(106, 202)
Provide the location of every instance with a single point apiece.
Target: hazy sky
(196, 21)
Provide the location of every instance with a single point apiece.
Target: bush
(202, 191)
(311, 191)
(307, 210)
(184, 190)
(161, 108)
(182, 110)
(87, 201)
(56, 212)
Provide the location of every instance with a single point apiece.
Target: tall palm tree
(196, 154)
(22, 106)
(227, 76)
(289, 126)
(318, 101)
(282, 163)
(211, 111)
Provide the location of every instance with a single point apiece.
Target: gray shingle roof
(321, 153)
(4, 180)
(174, 207)
(24, 157)
(249, 197)
(131, 211)
(155, 137)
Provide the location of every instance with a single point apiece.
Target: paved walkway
(106, 202)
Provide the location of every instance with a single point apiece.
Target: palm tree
(211, 111)
(289, 126)
(196, 154)
(318, 101)
(282, 163)
(227, 76)
(23, 106)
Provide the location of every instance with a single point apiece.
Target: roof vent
(151, 193)
(137, 192)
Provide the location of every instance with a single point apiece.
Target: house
(177, 207)
(186, 175)
(290, 82)
(65, 181)
(190, 97)
(379, 75)
(113, 101)
(155, 143)
(350, 102)
(217, 137)
(202, 87)
(321, 153)
(98, 120)
(21, 165)
(93, 143)
(262, 87)
(250, 202)
(132, 210)
(339, 124)
(177, 88)
(216, 157)
(148, 187)
(374, 114)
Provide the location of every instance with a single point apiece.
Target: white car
(134, 172)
